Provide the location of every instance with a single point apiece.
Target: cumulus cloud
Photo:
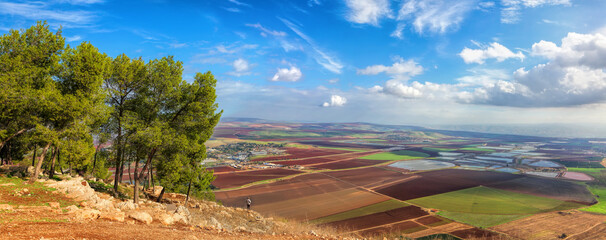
(335, 101)
(436, 16)
(287, 75)
(367, 11)
(495, 50)
(510, 12)
(399, 70)
(241, 67)
(575, 75)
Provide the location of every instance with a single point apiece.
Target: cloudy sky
(397, 62)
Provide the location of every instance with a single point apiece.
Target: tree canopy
(70, 101)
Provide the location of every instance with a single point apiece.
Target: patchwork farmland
(376, 182)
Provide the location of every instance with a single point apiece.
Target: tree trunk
(150, 156)
(161, 195)
(130, 178)
(12, 136)
(34, 157)
(51, 174)
(151, 169)
(149, 178)
(32, 179)
(95, 158)
(9, 158)
(188, 190)
(118, 144)
(136, 190)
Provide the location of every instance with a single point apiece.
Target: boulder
(113, 216)
(182, 210)
(71, 208)
(87, 214)
(165, 219)
(141, 217)
(180, 218)
(126, 205)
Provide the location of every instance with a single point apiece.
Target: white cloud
(436, 16)
(239, 3)
(329, 62)
(575, 75)
(231, 9)
(39, 10)
(400, 70)
(398, 32)
(241, 67)
(287, 75)
(265, 31)
(73, 39)
(335, 101)
(495, 50)
(81, 2)
(367, 11)
(333, 81)
(510, 12)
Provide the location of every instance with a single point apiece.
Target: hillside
(71, 209)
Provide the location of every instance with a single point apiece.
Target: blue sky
(397, 62)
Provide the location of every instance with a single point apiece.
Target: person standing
(248, 202)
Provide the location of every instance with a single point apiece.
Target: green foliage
(59, 97)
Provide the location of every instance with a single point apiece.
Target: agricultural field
(370, 181)
(396, 155)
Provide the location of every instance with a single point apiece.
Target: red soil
(429, 220)
(235, 179)
(369, 177)
(345, 144)
(295, 153)
(293, 188)
(348, 164)
(442, 181)
(476, 233)
(223, 169)
(325, 159)
(378, 219)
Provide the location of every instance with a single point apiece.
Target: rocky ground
(75, 211)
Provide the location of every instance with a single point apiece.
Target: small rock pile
(95, 205)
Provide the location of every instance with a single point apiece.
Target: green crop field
(599, 207)
(439, 149)
(370, 209)
(397, 155)
(483, 206)
(477, 149)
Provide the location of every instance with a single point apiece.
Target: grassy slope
(374, 208)
(39, 194)
(599, 207)
(484, 207)
(397, 155)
